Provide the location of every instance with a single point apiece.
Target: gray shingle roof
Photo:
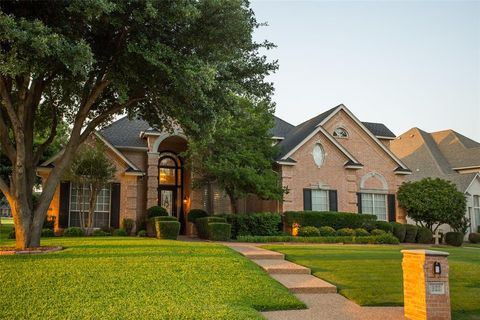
(125, 132)
(281, 128)
(459, 150)
(379, 129)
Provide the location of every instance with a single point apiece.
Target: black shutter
(115, 206)
(332, 200)
(391, 208)
(64, 204)
(307, 199)
(359, 202)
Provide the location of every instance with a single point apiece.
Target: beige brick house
(331, 162)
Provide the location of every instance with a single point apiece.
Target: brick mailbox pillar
(425, 285)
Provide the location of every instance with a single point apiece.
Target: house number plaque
(436, 287)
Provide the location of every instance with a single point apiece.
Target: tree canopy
(432, 202)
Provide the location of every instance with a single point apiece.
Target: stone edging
(42, 250)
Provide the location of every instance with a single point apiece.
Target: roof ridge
(428, 144)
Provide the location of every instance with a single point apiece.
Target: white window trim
(373, 203)
(109, 202)
(328, 198)
(334, 134)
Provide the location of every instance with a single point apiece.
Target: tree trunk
(233, 204)
(92, 204)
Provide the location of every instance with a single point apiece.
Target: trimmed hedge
(474, 237)
(47, 233)
(74, 232)
(142, 233)
(454, 238)
(384, 225)
(202, 225)
(424, 235)
(128, 225)
(100, 233)
(336, 220)
(49, 222)
(378, 232)
(164, 218)
(254, 224)
(399, 231)
(219, 231)
(345, 232)
(194, 214)
(410, 233)
(156, 211)
(360, 232)
(167, 229)
(119, 233)
(308, 232)
(327, 232)
(383, 239)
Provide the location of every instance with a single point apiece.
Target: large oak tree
(172, 62)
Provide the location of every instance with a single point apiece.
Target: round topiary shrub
(345, 232)
(47, 233)
(410, 233)
(219, 231)
(424, 235)
(308, 232)
(474, 237)
(327, 231)
(142, 233)
(202, 225)
(167, 229)
(165, 218)
(360, 232)
(194, 214)
(454, 238)
(399, 231)
(74, 232)
(156, 211)
(386, 238)
(119, 233)
(377, 232)
(384, 225)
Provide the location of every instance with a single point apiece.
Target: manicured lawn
(372, 275)
(134, 278)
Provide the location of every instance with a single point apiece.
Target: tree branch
(7, 147)
(7, 102)
(51, 137)
(4, 188)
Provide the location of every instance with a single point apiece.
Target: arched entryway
(170, 183)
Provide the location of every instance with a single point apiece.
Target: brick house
(330, 162)
(448, 155)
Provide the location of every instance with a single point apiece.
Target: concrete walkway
(321, 297)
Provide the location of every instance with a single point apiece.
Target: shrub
(100, 233)
(399, 231)
(474, 237)
(49, 222)
(107, 229)
(156, 211)
(378, 232)
(202, 225)
(359, 232)
(424, 235)
(164, 218)
(255, 224)
(346, 232)
(119, 233)
(194, 214)
(47, 233)
(336, 220)
(368, 225)
(387, 238)
(383, 239)
(219, 231)
(142, 233)
(167, 229)
(308, 232)
(384, 225)
(73, 232)
(128, 225)
(11, 234)
(478, 229)
(327, 231)
(410, 233)
(454, 238)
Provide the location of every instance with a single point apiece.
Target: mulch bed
(12, 250)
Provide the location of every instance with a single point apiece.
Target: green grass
(136, 278)
(372, 275)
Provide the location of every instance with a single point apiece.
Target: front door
(168, 199)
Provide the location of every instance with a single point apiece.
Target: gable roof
(125, 132)
(379, 130)
(459, 150)
(281, 128)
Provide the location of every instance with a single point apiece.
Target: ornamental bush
(410, 233)
(219, 231)
(167, 229)
(327, 231)
(255, 224)
(345, 232)
(46, 233)
(100, 233)
(156, 211)
(128, 225)
(378, 232)
(474, 237)
(119, 233)
(11, 234)
(194, 214)
(454, 238)
(142, 233)
(424, 235)
(336, 220)
(383, 239)
(73, 232)
(384, 225)
(360, 232)
(387, 238)
(202, 225)
(308, 232)
(399, 231)
(164, 218)
(49, 222)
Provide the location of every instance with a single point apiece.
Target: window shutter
(391, 208)
(115, 206)
(307, 199)
(332, 200)
(359, 202)
(64, 204)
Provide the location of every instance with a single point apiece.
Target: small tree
(92, 170)
(432, 202)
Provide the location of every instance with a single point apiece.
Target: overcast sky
(406, 64)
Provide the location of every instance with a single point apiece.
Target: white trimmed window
(320, 200)
(318, 154)
(79, 197)
(476, 211)
(340, 133)
(374, 203)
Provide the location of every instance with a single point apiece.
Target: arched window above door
(169, 171)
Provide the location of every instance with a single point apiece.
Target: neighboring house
(444, 154)
(330, 162)
(5, 208)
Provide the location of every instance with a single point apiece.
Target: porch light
(185, 200)
(437, 268)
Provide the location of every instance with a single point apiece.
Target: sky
(406, 64)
